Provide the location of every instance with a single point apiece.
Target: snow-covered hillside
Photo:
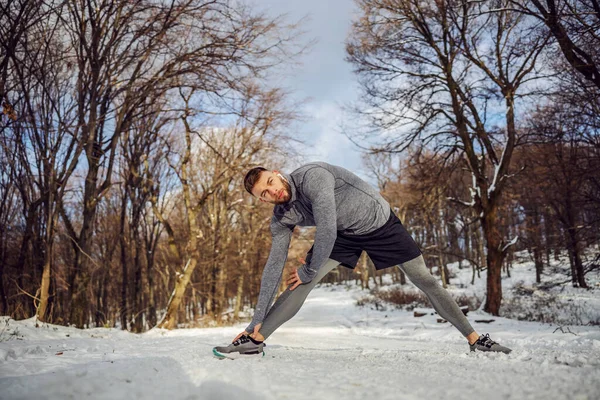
(331, 350)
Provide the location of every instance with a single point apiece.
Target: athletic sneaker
(244, 346)
(485, 343)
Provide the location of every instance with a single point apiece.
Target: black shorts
(386, 246)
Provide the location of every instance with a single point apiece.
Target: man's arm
(319, 187)
(281, 236)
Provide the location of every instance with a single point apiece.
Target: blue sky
(324, 79)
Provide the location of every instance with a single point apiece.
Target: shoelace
(486, 341)
(242, 340)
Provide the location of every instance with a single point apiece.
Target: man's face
(272, 188)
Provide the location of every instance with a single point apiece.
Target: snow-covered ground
(331, 350)
(554, 300)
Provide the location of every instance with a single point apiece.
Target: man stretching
(351, 217)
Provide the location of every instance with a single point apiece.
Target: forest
(127, 128)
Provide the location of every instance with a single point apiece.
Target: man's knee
(417, 273)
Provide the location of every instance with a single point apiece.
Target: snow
(332, 349)
(512, 242)
(497, 167)
(492, 187)
(474, 189)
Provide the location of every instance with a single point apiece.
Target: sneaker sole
(236, 355)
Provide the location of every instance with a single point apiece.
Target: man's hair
(252, 177)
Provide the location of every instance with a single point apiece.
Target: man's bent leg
(288, 304)
(439, 297)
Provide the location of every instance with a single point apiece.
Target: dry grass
(546, 308)
(409, 299)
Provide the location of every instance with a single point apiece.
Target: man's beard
(288, 192)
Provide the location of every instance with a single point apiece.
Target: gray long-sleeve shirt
(332, 199)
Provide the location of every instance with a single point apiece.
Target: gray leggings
(288, 304)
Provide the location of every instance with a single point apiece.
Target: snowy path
(331, 350)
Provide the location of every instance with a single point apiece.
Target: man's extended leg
(439, 297)
(288, 304)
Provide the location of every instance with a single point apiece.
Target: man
(351, 217)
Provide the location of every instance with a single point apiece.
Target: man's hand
(293, 279)
(255, 335)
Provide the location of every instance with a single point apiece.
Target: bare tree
(567, 164)
(575, 25)
(259, 114)
(8, 205)
(427, 79)
(129, 54)
(86, 87)
(140, 157)
(47, 150)
(17, 19)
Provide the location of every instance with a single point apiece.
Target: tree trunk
(238, 296)
(169, 320)
(509, 259)
(99, 293)
(446, 272)
(442, 272)
(49, 255)
(3, 299)
(573, 243)
(578, 278)
(24, 251)
(151, 302)
(138, 293)
(441, 259)
(44, 289)
(537, 246)
(221, 286)
(494, 262)
(124, 276)
(441, 242)
(106, 318)
(548, 235)
(481, 251)
(79, 299)
(539, 264)
(364, 274)
(468, 242)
